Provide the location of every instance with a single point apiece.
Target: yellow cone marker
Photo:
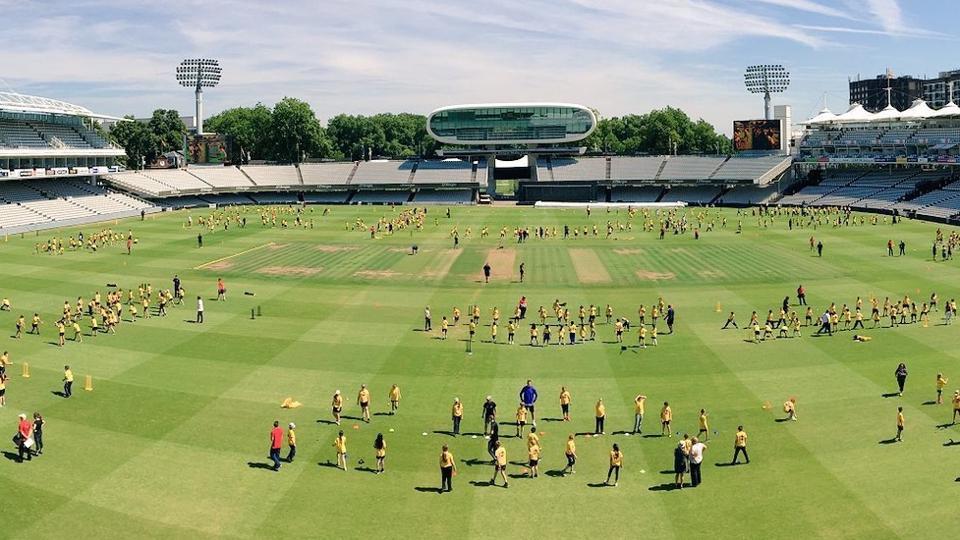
(88, 383)
(26, 370)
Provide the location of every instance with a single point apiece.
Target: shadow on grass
(931, 402)
(781, 420)
(555, 474)
(443, 432)
(598, 485)
(12, 456)
(425, 489)
(944, 426)
(479, 483)
(364, 468)
(58, 393)
(890, 394)
(951, 442)
(552, 419)
(383, 414)
(251, 464)
(328, 465)
(473, 462)
(654, 436)
(728, 464)
(328, 422)
(672, 486)
(891, 440)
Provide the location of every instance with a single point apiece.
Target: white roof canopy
(950, 109)
(919, 110)
(14, 102)
(888, 113)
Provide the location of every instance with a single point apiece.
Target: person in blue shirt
(528, 396)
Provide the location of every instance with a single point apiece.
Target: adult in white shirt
(696, 459)
(199, 309)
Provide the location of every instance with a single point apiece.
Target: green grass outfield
(162, 447)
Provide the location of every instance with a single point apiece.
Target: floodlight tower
(199, 73)
(767, 79)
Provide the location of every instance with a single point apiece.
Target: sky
(118, 57)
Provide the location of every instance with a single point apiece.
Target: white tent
(824, 116)
(918, 111)
(889, 113)
(950, 109)
(856, 113)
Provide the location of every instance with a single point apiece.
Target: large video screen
(209, 148)
(756, 135)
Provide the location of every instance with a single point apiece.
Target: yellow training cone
(88, 383)
(718, 309)
(26, 370)
(926, 323)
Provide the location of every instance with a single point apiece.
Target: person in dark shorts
(486, 272)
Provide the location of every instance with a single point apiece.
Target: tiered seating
(884, 199)
(942, 209)
(748, 195)
(569, 169)
(273, 175)
(934, 136)
(20, 135)
(689, 168)
(65, 134)
(382, 172)
(845, 196)
(443, 196)
(748, 168)
(274, 198)
(17, 192)
(807, 195)
(188, 201)
(138, 183)
(176, 179)
(883, 178)
(225, 199)
(932, 198)
(14, 215)
(57, 209)
(221, 177)
(897, 136)
(446, 172)
(332, 174)
(635, 168)
(635, 194)
(860, 137)
(691, 195)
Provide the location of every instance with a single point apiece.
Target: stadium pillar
(199, 120)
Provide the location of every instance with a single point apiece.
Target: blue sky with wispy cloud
(362, 56)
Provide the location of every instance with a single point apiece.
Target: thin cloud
(809, 6)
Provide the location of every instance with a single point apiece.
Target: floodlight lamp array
(199, 72)
(766, 78)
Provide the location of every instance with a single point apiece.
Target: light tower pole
(766, 79)
(199, 73)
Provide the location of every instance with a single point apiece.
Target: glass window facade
(511, 124)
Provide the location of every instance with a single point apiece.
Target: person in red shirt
(221, 290)
(276, 442)
(24, 431)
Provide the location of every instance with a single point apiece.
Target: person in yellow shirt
(493, 333)
(499, 464)
(900, 423)
(521, 419)
(666, 416)
(340, 444)
(21, 322)
(380, 447)
(642, 336)
(533, 453)
(616, 462)
(337, 406)
(532, 438)
(67, 381)
(448, 466)
(61, 329)
(704, 425)
(511, 331)
(941, 382)
(456, 316)
(533, 335)
(740, 445)
(639, 403)
(571, 453)
(456, 414)
(565, 403)
(790, 407)
(291, 441)
(653, 336)
(444, 326)
(956, 405)
(35, 324)
(609, 313)
(601, 415)
(5, 305)
(363, 399)
(394, 399)
(77, 336)
(618, 329)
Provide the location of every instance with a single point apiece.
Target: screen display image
(756, 135)
(209, 148)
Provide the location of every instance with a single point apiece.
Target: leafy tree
(295, 133)
(168, 128)
(247, 128)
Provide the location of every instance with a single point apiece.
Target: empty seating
(331, 174)
(20, 135)
(691, 195)
(689, 168)
(443, 196)
(382, 172)
(326, 197)
(635, 168)
(748, 195)
(176, 179)
(221, 177)
(446, 172)
(380, 197)
(570, 169)
(751, 168)
(635, 194)
(273, 175)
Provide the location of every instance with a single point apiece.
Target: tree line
(290, 132)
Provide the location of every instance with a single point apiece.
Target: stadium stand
(752, 169)
(636, 194)
(689, 168)
(748, 195)
(34, 204)
(570, 169)
(272, 175)
(443, 196)
(383, 173)
(448, 172)
(20, 135)
(326, 197)
(692, 195)
(380, 197)
(635, 168)
(226, 178)
(332, 174)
